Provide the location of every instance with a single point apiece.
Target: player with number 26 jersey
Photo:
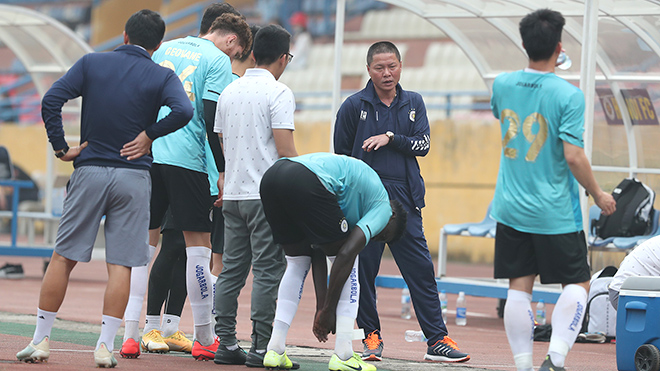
(537, 112)
(204, 71)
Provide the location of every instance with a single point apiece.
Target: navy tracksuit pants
(412, 256)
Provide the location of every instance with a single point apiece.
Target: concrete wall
(460, 172)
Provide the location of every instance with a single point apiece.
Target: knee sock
(288, 298)
(199, 283)
(139, 280)
(567, 319)
(109, 328)
(170, 324)
(350, 295)
(168, 274)
(347, 309)
(45, 322)
(519, 327)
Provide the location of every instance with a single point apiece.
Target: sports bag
(634, 211)
(599, 322)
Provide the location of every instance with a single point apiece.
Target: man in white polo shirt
(254, 119)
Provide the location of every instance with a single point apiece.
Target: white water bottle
(405, 303)
(461, 310)
(412, 335)
(443, 305)
(540, 312)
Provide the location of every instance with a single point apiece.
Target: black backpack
(634, 211)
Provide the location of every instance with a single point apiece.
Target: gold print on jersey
(187, 85)
(511, 132)
(537, 140)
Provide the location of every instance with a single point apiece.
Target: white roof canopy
(614, 46)
(46, 49)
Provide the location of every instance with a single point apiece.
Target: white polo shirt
(247, 112)
(644, 260)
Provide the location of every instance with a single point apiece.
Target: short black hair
(246, 53)
(212, 12)
(231, 23)
(400, 220)
(145, 28)
(382, 47)
(541, 32)
(270, 43)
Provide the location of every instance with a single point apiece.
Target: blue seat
(634, 241)
(623, 243)
(479, 229)
(484, 228)
(595, 241)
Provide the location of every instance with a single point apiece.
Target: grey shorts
(122, 196)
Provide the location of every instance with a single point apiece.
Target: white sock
(519, 327)
(344, 338)
(109, 328)
(139, 281)
(200, 289)
(170, 324)
(567, 319)
(45, 322)
(151, 323)
(288, 298)
(278, 337)
(131, 330)
(350, 295)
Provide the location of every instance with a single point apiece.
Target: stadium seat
(484, 228)
(626, 243)
(595, 241)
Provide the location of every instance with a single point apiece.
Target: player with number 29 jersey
(537, 113)
(204, 71)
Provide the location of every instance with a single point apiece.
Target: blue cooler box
(638, 320)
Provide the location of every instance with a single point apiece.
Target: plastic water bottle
(405, 303)
(564, 62)
(412, 335)
(443, 305)
(540, 312)
(461, 310)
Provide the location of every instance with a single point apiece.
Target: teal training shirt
(204, 71)
(360, 193)
(536, 191)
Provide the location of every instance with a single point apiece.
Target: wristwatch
(390, 135)
(62, 152)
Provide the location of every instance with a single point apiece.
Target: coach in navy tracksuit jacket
(388, 132)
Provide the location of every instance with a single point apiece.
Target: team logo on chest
(411, 115)
(363, 115)
(343, 225)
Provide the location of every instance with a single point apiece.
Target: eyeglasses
(289, 57)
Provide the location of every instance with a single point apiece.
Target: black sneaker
(255, 359)
(445, 350)
(12, 271)
(548, 366)
(224, 356)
